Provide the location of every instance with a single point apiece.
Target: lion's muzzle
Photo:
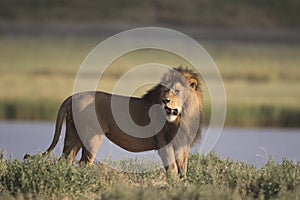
(170, 111)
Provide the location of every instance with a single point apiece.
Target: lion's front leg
(182, 161)
(168, 158)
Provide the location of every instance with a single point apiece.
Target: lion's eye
(176, 91)
(166, 90)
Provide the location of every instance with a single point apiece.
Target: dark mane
(153, 93)
(186, 72)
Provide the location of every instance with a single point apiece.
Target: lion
(179, 113)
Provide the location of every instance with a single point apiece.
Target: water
(253, 146)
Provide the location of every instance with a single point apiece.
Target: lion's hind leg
(70, 151)
(90, 148)
(72, 143)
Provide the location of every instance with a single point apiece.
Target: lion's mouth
(170, 111)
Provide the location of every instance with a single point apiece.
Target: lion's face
(173, 100)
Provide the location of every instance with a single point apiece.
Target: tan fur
(172, 147)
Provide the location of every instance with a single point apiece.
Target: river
(253, 146)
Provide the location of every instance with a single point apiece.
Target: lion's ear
(193, 83)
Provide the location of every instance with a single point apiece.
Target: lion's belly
(131, 143)
(114, 121)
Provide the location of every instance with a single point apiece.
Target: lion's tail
(59, 122)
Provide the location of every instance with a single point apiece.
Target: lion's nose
(165, 101)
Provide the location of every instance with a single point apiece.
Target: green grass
(43, 109)
(262, 80)
(207, 178)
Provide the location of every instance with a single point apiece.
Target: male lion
(180, 114)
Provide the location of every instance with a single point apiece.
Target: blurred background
(255, 44)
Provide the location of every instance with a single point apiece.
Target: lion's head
(173, 100)
(180, 96)
(180, 88)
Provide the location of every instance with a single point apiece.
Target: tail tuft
(26, 156)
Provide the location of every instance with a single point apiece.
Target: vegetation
(208, 177)
(261, 79)
(259, 13)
